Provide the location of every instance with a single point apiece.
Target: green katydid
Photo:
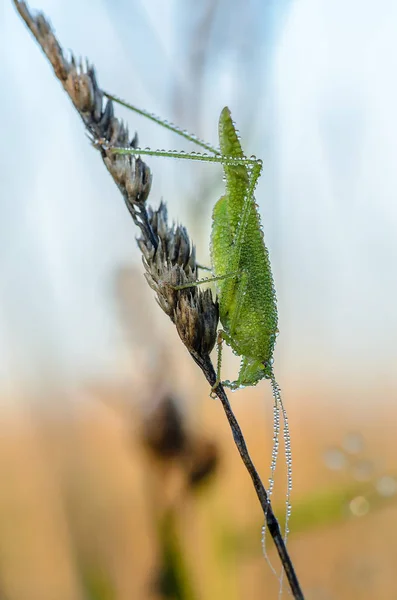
(240, 266)
(240, 259)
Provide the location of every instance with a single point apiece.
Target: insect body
(247, 301)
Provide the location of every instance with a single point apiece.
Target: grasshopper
(240, 268)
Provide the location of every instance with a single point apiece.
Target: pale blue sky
(320, 108)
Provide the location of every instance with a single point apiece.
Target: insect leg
(230, 161)
(249, 202)
(166, 124)
(219, 347)
(185, 286)
(203, 268)
(222, 337)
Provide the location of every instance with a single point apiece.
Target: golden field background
(82, 497)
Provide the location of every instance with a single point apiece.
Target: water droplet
(386, 486)
(359, 506)
(353, 443)
(334, 459)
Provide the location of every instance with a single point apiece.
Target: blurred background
(119, 478)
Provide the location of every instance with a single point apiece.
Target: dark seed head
(163, 430)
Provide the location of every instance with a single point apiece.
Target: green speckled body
(247, 302)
